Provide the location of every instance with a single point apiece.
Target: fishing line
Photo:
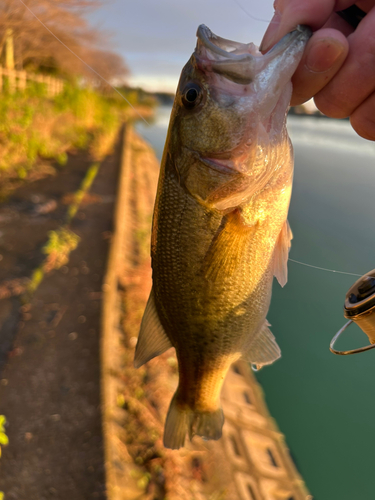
(250, 15)
(323, 268)
(83, 62)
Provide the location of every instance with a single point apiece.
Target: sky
(157, 37)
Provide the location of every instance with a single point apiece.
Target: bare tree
(35, 48)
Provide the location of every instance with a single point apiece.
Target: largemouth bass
(220, 230)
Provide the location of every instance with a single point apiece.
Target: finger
(290, 13)
(324, 55)
(355, 81)
(363, 119)
(338, 23)
(365, 5)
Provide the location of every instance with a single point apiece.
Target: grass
(59, 245)
(3, 441)
(85, 186)
(57, 249)
(62, 241)
(3, 437)
(34, 127)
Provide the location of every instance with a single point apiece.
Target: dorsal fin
(281, 254)
(152, 339)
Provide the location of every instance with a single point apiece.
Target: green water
(323, 403)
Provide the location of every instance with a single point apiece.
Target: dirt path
(49, 388)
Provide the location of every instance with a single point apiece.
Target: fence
(18, 80)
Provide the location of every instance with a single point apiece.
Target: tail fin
(182, 421)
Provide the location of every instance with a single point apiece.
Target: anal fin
(263, 350)
(152, 339)
(281, 254)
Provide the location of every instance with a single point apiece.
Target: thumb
(290, 13)
(324, 55)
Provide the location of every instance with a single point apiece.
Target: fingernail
(323, 55)
(270, 35)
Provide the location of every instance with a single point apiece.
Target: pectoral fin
(152, 339)
(281, 254)
(263, 350)
(228, 247)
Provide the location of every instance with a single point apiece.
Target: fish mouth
(222, 46)
(241, 62)
(232, 59)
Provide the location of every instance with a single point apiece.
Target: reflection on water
(321, 401)
(329, 134)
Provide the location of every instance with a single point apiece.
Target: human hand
(338, 65)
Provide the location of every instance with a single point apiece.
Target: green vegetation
(138, 96)
(34, 127)
(36, 279)
(62, 241)
(3, 441)
(85, 186)
(3, 437)
(59, 245)
(50, 102)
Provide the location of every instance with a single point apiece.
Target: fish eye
(191, 95)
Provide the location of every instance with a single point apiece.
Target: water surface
(323, 403)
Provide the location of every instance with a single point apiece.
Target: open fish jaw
(262, 76)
